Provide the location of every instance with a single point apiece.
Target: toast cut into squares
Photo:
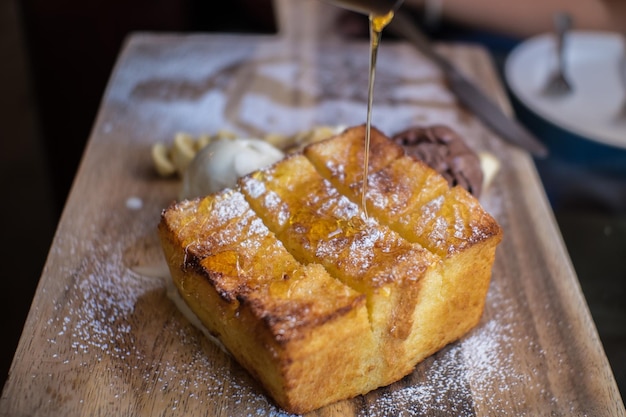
(318, 224)
(406, 194)
(288, 324)
(415, 201)
(318, 301)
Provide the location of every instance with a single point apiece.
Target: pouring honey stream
(377, 24)
(380, 13)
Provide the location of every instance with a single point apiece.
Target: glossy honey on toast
(318, 301)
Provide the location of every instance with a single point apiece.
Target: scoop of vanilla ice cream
(219, 164)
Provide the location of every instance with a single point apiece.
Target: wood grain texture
(102, 336)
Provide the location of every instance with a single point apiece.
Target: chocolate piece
(445, 151)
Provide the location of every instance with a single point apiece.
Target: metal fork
(558, 84)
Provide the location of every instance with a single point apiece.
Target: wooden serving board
(103, 338)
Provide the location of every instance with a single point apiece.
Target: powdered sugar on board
(474, 370)
(465, 375)
(468, 374)
(120, 315)
(117, 322)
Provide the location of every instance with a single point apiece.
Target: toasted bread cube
(317, 300)
(416, 202)
(317, 224)
(288, 324)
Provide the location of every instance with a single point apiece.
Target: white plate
(592, 59)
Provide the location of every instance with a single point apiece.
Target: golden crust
(329, 229)
(313, 298)
(406, 194)
(283, 321)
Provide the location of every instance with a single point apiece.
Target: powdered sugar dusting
(442, 390)
(94, 317)
(99, 320)
(117, 322)
(452, 382)
(469, 374)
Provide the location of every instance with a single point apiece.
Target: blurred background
(55, 60)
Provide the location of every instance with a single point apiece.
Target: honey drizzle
(377, 24)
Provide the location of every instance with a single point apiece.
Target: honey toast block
(288, 324)
(317, 300)
(415, 201)
(318, 224)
